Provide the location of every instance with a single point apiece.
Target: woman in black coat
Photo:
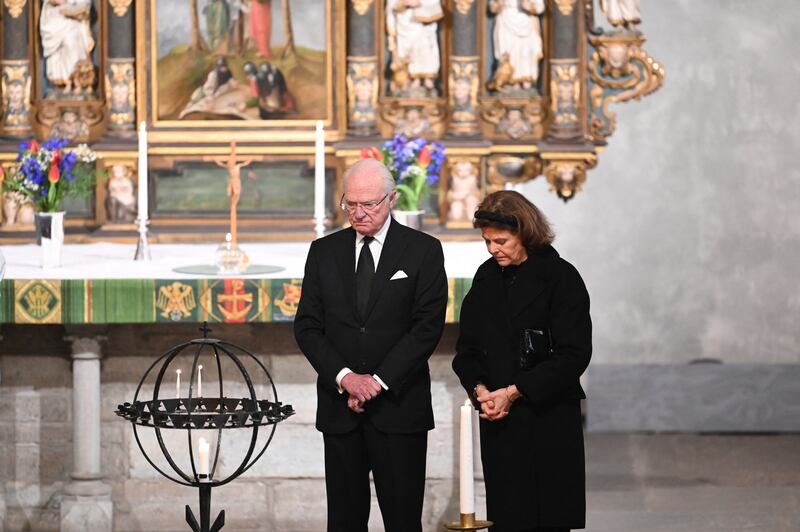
(525, 340)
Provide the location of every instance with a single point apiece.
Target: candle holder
(230, 258)
(468, 522)
(214, 414)
(142, 245)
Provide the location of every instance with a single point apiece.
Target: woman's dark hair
(509, 210)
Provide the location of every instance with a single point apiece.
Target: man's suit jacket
(401, 327)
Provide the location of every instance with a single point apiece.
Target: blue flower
(55, 143)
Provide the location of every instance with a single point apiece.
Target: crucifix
(234, 166)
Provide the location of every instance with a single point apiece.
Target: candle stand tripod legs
(205, 513)
(468, 522)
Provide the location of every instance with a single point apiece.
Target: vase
(412, 219)
(50, 236)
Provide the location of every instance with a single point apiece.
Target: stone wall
(285, 491)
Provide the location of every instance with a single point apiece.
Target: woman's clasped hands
(496, 405)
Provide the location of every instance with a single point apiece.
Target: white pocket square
(399, 274)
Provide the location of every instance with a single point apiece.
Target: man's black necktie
(365, 271)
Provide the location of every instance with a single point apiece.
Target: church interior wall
(688, 234)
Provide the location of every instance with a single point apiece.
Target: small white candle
(466, 475)
(202, 459)
(142, 204)
(200, 380)
(319, 180)
(178, 384)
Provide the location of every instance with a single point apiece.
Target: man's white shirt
(375, 248)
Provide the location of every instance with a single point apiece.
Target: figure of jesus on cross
(234, 166)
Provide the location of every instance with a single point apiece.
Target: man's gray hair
(370, 166)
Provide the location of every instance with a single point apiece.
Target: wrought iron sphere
(196, 412)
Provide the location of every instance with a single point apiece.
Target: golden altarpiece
(514, 89)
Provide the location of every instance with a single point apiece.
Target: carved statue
(67, 41)
(10, 207)
(413, 124)
(412, 29)
(621, 12)
(17, 210)
(121, 204)
(514, 124)
(463, 195)
(517, 42)
(70, 126)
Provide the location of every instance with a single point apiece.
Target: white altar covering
(115, 261)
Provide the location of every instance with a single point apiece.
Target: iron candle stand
(205, 413)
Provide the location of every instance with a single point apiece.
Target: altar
(100, 283)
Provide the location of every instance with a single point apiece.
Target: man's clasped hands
(361, 388)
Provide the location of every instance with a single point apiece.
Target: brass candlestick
(468, 522)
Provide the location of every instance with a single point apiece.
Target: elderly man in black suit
(371, 313)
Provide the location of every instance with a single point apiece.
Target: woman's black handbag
(534, 347)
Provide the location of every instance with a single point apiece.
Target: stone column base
(87, 507)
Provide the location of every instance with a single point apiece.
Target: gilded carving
(413, 117)
(15, 7)
(507, 169)
(120, 6)
(121, 91)
(565, 6)
(566, 173)
(77, 121)
(620, 70)
(464, 85)
(16, 91)
(565, 89)
(362, 92)
(362, 6)
(514, 118)
(463, 6)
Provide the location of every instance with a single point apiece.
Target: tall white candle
(202, 459)
(142, 203)
(466, 476)
(178, 384)
(319, 180)
(200, 380)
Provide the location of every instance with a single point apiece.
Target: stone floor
(693, 483)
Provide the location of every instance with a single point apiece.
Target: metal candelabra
(196, 412)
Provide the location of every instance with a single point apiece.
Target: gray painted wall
(688, 231)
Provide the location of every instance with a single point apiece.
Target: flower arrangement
(415, 165)
(46, 173)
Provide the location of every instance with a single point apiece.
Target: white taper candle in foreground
(319, 180)
(177, 384)
(200, 380)
(202, 456)
(142, 170)
(466, 475)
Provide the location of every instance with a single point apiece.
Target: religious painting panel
(283, 187)
(264, 64)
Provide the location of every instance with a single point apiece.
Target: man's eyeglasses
(351, 206)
